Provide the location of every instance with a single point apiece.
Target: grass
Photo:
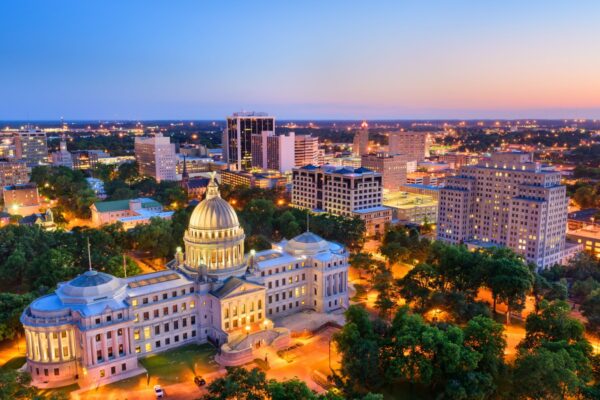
(62, 391)
(173, 365)
(14, 363)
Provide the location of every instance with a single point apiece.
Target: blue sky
(299, 59)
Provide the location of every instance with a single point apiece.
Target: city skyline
(431, 60)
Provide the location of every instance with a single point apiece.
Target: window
(113, 370)
(175, 325)
(110, 352)
(146, 316)
(157, 330)
(156, 314)
(136, 334)
(147, 332)
(145, 300)
(46, 371)
(192, 304)
(166, 311)
(119, 332)
(123, 367)
(167, 341)
(138, 349)
(176, 338)
(155, 298)
(184, 322)
(109, 335)
(174, 308)
(193, 319)
(56, 371)
(157, 344)
(97, 337)
(193, 333)
(166, 326)
(134, 302)
(164, 296)
(136, 318)
(108, 318)
(102, 373)
(148, 347)
(173, 294)
(185, 336)
(183, 306)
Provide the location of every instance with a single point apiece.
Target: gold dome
(213, 213)
(214, 238)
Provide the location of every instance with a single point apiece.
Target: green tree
(590, 308)
(358, 344)
(293, 389)
(387, 293)
(11, 308)
(155, 237)
(114, 266)
(258, 217)
(239, 384)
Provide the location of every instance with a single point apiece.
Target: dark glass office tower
(237, 138)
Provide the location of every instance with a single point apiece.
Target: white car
(159, 392)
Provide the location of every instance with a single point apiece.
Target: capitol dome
(213, 212)
(214, 238)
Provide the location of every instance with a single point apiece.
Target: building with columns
(93, 329)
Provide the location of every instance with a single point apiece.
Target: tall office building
(360, 144)
(306, 150)
(392, 167)
(156, 157)
(237, 137)
(13, 172)
(31, 146)
(506, 200)
(345, 191)
(273, 152)
(415, 145)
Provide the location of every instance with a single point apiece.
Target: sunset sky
(299, 59)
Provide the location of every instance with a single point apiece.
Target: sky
(328, 59)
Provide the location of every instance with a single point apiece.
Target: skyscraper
(360, 145)
(415, 145)
(306, 150)
(506, 200)
(156, 157)
(13, 172)
(237, 137)
(273, 152)
(31, 146)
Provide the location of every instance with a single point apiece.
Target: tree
(240, 384)
(486, 337)
(387, 294)
(258, 217)
(586, 196)
(545, 374)
(257, 243)
(11, 308)
(357, 343)
(590, 308)
(155, 237)
(362, 262)
(509, 279)
(114, 266)
(293, 389)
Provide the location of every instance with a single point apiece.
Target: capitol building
(94, 328)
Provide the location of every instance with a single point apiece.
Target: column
(72, 347)
(49, 341)
(40, 344)
(103, 343)
(93, 349)
(60, 349)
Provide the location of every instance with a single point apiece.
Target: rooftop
(122, 205)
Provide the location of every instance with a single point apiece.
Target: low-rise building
(13, 172)
(410, 208)
(21, 199)
(129, 212)
(263, 180)
(588, 237)
(428, 190)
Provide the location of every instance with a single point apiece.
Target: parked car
(200, 381)
(159, 392)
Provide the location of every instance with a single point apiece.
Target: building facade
(94, 328)
(360, 144)
(129, 212)
(22, 199)
(32, 147)
(414, 145)
(62, 157)
(237, 137)
(348, 192)
(392, 168)
(13, 172)
(306, 150)
(273, 152)
(507, 200)
(263, 180)
(156, 157)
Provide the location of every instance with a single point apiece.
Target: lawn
(174, 365)
(14, 363)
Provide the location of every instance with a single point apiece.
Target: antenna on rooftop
(307, 221)
(89, 254)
